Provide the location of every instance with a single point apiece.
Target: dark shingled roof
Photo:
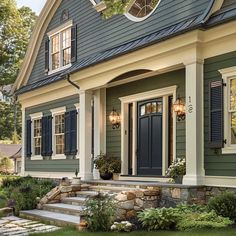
(226, 13)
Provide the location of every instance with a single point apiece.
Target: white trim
(77, 107)
(36, 116)
(56, 111)
(136, 19)
(227, 75)
(93, 2)
(36, 158)
(58, 69)
(23, 156)
(60, 28)
(134, 144)
(125, 101)
(220, 181)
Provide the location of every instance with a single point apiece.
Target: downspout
(71, 82)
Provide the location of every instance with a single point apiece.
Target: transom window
(150, 108)
(141, 9)
(61, 49)
(59, 133)
(232, 110)
(37, 136)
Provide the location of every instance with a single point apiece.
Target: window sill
(59, 157)
(59, 69)
(229, 150)
(36, 158)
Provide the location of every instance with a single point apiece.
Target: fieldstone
(130, 196)
(151, 198)
(150, 204)
(127, 205)
(175, 193)
(184, 195)
(151, 193)
(65, 181)
(7, 211)
(121, 214)
(121, 197)
(64, 195)
(139, 193)
(44, 200)
(139, 202)
(131, 214)
(76, 188)
(54, 194)
(166, 192)
(66, 189)
(137, 208)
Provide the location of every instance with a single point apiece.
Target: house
(12, 151)
(90, 85)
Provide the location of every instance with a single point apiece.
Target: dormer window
(139, 10)
(60, 50)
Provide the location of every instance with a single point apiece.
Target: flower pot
(76, 181)
(106, 176)
(178, 180)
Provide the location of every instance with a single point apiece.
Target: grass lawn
(72, 232)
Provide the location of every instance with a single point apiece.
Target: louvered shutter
(46, 55)
(49, 135)
(44, 136)
(73, 132)
(28, 138)
(67, 133)
(73, 43)
(216, 114)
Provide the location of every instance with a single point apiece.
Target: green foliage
(100, 213)
(194, 208)
(22, 193)
(177, 168)
(224, 205)
(123, 226)
(108, 164)
(5, 165)
(159, 219)
(207, 220)
(114, 7)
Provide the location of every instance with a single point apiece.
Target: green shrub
(160, 218)
(187, 208)
(207, 220)
(224, 205)
(100, 213)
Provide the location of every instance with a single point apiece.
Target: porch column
(99, 125)
(23, 156)
(85, 136)
(194, 124)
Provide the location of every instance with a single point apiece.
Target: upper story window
(139, 10)
(37, 135)
(60, 48)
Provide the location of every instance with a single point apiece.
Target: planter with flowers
(177, 170)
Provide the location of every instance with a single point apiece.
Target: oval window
(139, 10)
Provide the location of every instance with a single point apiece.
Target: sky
(35, 5)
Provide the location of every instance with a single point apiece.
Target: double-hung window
(60, 47)
(229, 79)
(59, 133)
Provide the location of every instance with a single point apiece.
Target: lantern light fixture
(179, 109)
(114, 119)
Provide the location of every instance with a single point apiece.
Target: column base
(96, 174)
(194, 180)
(86, 176)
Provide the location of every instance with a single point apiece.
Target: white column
(99, 125)
(194, 124)
(134, 138)
(85, 139)
(23, 156)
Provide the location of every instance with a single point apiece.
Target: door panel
(150, 137)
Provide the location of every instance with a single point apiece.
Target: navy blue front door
(150, 137)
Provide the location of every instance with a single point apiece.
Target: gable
(96, 35)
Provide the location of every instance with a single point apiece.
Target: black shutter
(67, 133)
(28, 138)
(216, 114)
(49, 134)
(73, 132)
(44, 136)
(47, 55)
(73, 43)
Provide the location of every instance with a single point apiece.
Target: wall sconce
(179, 109)
(114, 118)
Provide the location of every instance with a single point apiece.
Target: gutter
(67, 76)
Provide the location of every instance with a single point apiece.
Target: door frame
(135, 98)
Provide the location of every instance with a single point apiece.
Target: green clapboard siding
(216, 164)
(48, 165)
(161, 81)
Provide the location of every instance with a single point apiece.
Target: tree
(6, 165)
(15, 29)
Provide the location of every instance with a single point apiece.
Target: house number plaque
(190, 106)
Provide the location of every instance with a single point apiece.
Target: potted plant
(107, 165)
(76, 180)
(177, 170)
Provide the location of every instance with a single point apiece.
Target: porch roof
(10, 150)
(225, 14)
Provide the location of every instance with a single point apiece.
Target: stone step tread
(53, 216)
(87, 193)
(74, 199)
(64, 206)
(112, 188)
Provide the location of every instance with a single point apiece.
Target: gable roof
(10, 150)
(200, 21)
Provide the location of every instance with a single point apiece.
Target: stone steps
(63, 208)
(87, 193)
(50, 217)
(110, 189)
(76, 201)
